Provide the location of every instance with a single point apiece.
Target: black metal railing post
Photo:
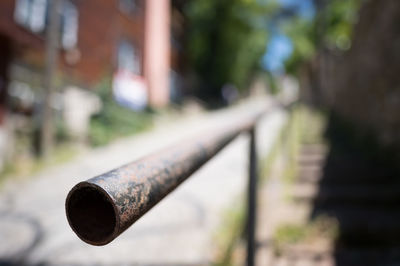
(252, 200)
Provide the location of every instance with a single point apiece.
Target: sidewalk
(178, 231)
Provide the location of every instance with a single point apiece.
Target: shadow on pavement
(26, 233)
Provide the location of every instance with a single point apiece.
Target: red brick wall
(101, 26)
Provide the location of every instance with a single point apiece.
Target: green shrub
(113, 120)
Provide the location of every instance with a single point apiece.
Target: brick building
(97, 39)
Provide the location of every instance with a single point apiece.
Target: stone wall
(363, 84)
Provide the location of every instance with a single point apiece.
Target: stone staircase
(362, 195)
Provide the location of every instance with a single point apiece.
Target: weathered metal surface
(101, 208)
(252, 201)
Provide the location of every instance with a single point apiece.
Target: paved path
(178, 231)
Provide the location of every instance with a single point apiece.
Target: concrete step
(346, 169)
(311, 159)
(309, 174)
(360, 195)
(367, 256)
(365, 225)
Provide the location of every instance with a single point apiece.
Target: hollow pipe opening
(91, 214)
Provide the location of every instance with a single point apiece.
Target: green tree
(331, 28)
(225, 41)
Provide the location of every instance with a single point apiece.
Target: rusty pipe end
(92, 214)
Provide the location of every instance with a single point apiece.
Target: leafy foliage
(339, 17)
(331, 28)
(225, 42)
(302, 34)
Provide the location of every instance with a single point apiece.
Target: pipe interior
(91, 215)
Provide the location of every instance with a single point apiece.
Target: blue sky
(305, 8)
(280, 47)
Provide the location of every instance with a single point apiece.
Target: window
(128, 57)
(33, 14)
(69, 37)
(129, 6)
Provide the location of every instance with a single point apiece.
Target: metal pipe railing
(101, 208)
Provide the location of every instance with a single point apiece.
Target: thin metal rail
(101, 208)
(252, 200)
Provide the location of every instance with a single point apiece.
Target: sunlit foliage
(331, 28)
(225, 41)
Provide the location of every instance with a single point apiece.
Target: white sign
(130, 90)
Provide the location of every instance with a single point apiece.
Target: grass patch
(286, 235)
(229, 235)
(114, 121)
